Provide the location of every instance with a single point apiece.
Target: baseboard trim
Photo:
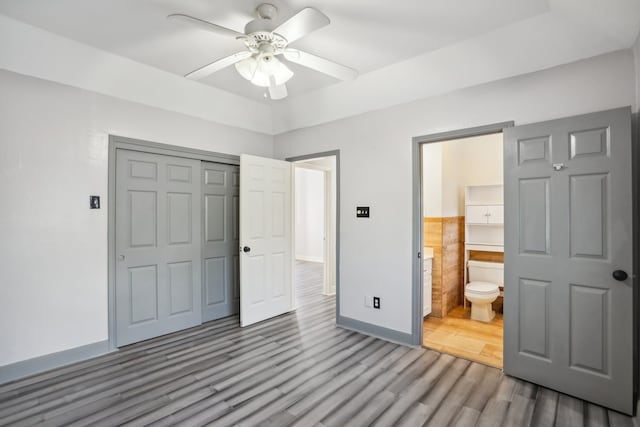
(381, 332)
(309, 258)
(26, 368)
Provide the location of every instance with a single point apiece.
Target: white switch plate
(368, 301)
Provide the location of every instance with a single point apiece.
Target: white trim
(309, 258)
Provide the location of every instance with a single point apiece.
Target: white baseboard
(309, 258)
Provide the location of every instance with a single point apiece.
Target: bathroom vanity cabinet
(427, 280)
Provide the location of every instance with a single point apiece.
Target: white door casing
(568, 228)
(266, 231)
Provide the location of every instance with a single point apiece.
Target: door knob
(246, 249)
(120, 257)
(620, 275)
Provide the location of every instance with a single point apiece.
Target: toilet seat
(482, 288)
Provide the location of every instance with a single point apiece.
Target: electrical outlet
(376, 302)
(368, 302)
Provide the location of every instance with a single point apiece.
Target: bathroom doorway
(463, 246)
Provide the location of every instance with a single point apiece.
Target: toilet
(485, 279)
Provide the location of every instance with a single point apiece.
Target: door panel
(179, 218)
(568, 323)
(180, 287)
(589, 335)
(588, 215)
(534, 216)
(266, 232)
(220, 187)
(157, 245)
(533, 315)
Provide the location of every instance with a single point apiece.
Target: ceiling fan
(265, 41)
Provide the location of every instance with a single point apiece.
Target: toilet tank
(491, 272)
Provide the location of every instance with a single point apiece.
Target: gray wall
(53, 155)
(375, 162)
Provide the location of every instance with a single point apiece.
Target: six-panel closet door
(220, 259)
(158, 245)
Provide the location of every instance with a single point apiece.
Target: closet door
(158, 245)
(220, 259)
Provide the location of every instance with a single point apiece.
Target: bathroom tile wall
(446, 237)
(452, 262)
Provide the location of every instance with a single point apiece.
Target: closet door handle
(246, 249)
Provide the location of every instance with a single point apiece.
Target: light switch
(362, 212)
(94, 202)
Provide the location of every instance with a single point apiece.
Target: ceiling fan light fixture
(270, 71)
(247, 67)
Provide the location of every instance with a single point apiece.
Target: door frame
(326, 205)
(635, 203)
(336, 154)
(417, 217)
(123, 143)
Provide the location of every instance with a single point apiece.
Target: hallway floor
(457, 334)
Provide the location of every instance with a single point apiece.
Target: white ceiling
(363, 34)
(405, 50)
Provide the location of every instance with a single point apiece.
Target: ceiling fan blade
(218, 65)
(209, 26)
(278, 92)
(302, 23)
(320, 64)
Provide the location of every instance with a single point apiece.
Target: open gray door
(568, 310)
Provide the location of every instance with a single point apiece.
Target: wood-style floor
(297, 369)
(457, 334)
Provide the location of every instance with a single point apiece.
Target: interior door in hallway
(266, 227)
(220, 258)
(158, 245)
(568, 309)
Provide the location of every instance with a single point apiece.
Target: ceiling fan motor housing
(266, 19)
(261, 41)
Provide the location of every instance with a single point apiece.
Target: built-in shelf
(484, 220)
(484, 195)
(484, 215)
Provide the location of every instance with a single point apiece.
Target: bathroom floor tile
(457, 334)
